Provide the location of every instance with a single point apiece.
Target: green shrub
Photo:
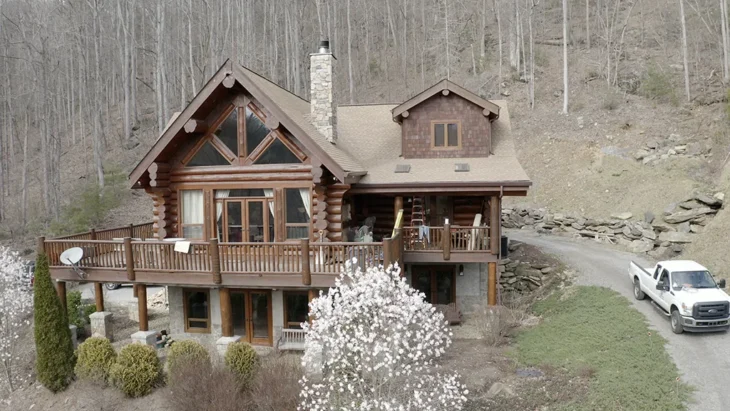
(241, 359)
(54, 349)
(95, 359)
(657, 85)
(137, 370)
(78, 314)
(187, 353)
(91, 206)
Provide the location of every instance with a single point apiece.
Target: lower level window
(197, 310)
(296, 308)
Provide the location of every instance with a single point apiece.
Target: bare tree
(565, 57)
(724, 31)
(684, 50)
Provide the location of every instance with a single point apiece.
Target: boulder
(641, 246)
(676, 237)
(547, 270)
(709, 200)
(690, 204)
(682, 216)
(652, 144)
(680, 149)
(694, 228)
(640, 154)
(720, 196)
(670, 208)
(684, 227)
(649, 234)
(527, 272)
(622, 216)
(648, 159)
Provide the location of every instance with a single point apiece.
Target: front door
(247, 221)
(438, 283)
(251, 311)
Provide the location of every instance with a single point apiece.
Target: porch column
(61, 290)
(142, 307)
(99, 296)
(495, 222)
(492, 284)
(226, 314)
(398, 206)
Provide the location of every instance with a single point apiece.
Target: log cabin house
(260, 196)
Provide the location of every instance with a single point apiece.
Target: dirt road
(702, 359)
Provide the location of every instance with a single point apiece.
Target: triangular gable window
(256, 131)
(228, 132)
(208, 156)
(277, 153)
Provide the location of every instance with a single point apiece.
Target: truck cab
(686, 292)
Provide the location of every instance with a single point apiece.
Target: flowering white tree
(16, 309)
(373, 345)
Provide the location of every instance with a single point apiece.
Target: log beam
(196, 126)
(226, 312)
(495, 214)
(492, 284)
(61, 290)
(99, 296)
(142, 307)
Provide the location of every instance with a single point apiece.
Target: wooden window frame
(181, 223)
(269, 236)
(432, 271)
(286, 310)
(186, 319)
(446, 145)
(286, 224)
(215, 141)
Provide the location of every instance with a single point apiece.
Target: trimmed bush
(241, 359)
(137, 370)
(95, 359)
(54, 349)
(186, 353)
(78, 313)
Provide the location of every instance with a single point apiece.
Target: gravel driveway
(702, 359)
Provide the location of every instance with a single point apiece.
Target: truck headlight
(687, 309)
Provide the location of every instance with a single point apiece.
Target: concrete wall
(177, 319)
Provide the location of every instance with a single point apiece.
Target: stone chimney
(323, 109)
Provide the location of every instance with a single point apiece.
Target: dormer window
(446, 134)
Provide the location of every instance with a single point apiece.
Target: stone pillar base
(145, 337)
(134, 311)
(222, 344)
(101, 325)
(74, 335)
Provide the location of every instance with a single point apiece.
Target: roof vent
(402, 168)
(461, 167)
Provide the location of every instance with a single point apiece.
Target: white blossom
(16, 309)
(373, 344)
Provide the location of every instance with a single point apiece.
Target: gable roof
(289, 110)
(383, 152)
(445, 86)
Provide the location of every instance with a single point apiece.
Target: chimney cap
(324, 46)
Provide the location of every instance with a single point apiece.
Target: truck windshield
(692, 279)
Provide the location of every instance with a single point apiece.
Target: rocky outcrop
(674, 147)
(658, 237)
(522, 276)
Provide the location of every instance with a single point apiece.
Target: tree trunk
(684, 50)
(514, 49)
(349, 56)
(724, 29)
(532, 56)
(565, 56)
(123, 20)
(499, 41)
(190, 48)
(588, 24)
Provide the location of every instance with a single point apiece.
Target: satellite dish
(72, 257)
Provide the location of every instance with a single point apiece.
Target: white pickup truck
(686, 292)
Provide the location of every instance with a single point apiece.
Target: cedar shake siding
(475, 128)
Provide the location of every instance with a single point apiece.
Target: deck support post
(306, 270)
(387, 252)
(446, 242)
(142, 307)
(61, 290)
(99, 296)
(492, 283)
(131, 230)
(129, 258)
(215, 261)
(495, 221)
(397, 207)
(311, 294)
(226, 317)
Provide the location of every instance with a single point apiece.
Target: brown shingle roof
(370, 132)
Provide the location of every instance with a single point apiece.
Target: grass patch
(594, 333)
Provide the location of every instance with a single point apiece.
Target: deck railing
(302, 258)
(460, 238)
(141, 231)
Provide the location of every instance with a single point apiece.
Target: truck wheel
(112, 286)
(677, 327)
(638, 294)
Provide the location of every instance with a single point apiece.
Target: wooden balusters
(215, 261)
(306, 270)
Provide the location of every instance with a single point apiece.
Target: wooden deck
(304, 264)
